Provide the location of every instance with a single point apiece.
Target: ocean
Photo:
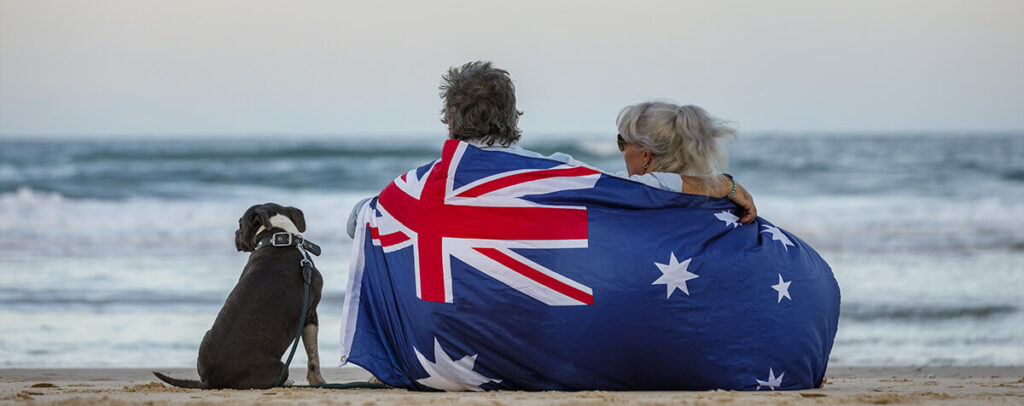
(119, 252)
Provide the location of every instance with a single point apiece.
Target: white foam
(33, 222)
(897, 223)
(601, 148)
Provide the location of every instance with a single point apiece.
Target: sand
(846, 386)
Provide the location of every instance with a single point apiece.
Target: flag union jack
(481, 223)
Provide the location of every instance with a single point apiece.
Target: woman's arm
(696, 185)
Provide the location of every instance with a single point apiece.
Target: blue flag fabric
(489, 270)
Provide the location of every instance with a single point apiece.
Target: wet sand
(845, 386)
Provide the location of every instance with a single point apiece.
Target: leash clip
(307, 270)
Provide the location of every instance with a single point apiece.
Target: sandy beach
(846, 386)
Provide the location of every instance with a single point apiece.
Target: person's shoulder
(519, 150)
(662, 180)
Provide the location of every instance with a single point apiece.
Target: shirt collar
(482, 145)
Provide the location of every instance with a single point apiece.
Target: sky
(144, 68)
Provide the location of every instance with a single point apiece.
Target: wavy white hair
(684, 139)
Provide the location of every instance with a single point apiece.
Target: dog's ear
(297, 218)
(263, 218)
(248, 224)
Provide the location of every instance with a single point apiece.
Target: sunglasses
(622, 143)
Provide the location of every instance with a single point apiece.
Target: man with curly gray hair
(480, 104)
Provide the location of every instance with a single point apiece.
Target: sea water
(119, 253)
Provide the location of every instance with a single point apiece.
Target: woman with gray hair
(678, 148)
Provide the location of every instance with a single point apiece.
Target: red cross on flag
(480, 223)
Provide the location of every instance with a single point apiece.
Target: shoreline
(845, 385)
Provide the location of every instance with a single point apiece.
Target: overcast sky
(103, 67)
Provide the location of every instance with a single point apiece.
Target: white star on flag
(778, 235)
(449, 375)
(674, 275)
(783, 288)
(729, 218)
(772, 381)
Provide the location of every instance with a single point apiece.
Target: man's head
(480, 104)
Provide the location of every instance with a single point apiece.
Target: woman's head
(664, 137)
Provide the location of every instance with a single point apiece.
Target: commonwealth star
(449, 375)
(772, 381)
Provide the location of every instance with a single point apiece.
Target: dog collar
(286, 239)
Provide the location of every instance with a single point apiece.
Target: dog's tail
(181, 383)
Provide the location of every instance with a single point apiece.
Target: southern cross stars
(778, 235)
(783, 289)
(449, 375)
(729, 218)
(772, 381)
(674, 275)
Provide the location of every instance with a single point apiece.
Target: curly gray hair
(480, 104)
(684, 139)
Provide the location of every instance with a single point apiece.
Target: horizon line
(263, 135)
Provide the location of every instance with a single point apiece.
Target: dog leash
(307, 273)
(284, 240)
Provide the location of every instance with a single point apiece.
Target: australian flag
(490, 270)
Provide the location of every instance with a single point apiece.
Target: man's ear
(297, 218)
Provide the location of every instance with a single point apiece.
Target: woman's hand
(746, 202)
(695, 185)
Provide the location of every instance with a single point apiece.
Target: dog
(258, 322)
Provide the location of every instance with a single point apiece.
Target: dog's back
(243, 349)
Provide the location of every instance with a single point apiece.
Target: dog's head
(267, 216)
